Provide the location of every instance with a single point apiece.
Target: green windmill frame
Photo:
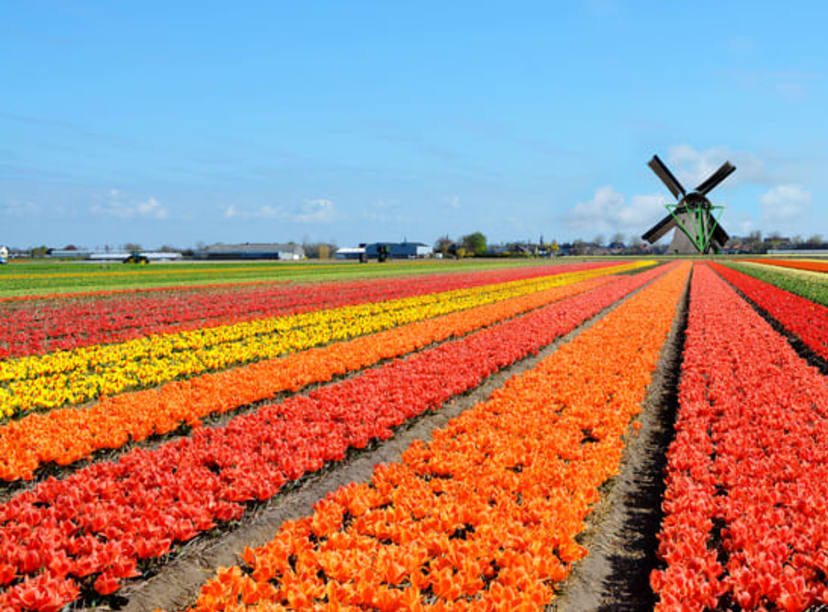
(706, 220)
(703, 230)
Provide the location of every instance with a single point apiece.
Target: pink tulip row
(746, 505)
(802, 317)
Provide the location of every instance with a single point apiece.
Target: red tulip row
(91, 529)
(35, 328)
(486, 515)
(746, 505)
(66, 435)
(807, 319)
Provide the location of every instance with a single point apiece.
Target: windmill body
(694, 219)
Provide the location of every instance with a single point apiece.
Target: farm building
(350, 252)
(249, 250)
(399, 250)
(111, 255)
(396, 250)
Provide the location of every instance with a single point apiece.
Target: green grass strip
(812, 288)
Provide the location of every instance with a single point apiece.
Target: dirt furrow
(622, 530)
(177, 583)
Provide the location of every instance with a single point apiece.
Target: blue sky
(179, 123)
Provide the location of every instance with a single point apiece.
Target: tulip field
(145, 428)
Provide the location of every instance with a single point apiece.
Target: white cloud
(609, 212)
(785, 203)
(310, 211)
(115, 206)
(152, 208)
(693, 166)
(790, 85)
(16, 208)
(313, 211)
(745, 225)
(453, 202)
(262, 212)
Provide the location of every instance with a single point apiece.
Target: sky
(181, 123)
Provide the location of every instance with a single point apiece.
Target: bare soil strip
(178, 583)
(622, 530)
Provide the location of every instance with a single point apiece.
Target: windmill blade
(720, 236)
(716, 178)
(659, 229)
(667, 177)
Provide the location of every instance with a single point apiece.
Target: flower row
(102, 355)
(35, 328)
(797, 264)
(746, 517)
(92, 529)
(485, 516)
(82, 374)
(65, 435)
(804, 318)
(810, 285)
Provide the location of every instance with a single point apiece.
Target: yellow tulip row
(47, 381)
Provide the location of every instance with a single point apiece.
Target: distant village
(471, 245)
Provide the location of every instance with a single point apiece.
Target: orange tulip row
(66, 435)
(796, 264)
(484, 516)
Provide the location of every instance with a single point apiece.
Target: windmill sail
(693, 217)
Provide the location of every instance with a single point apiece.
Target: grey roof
(255, 247)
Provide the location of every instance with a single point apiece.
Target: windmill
(696, 219)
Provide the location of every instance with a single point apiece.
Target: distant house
(150, 255)
(68, 254)
(349, 253)
(802, 252)
(399, 250)
(289, 252)
(111, 255)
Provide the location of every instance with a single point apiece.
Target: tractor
(136, 257)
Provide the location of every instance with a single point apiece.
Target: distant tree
(443, 245)
(774, 241)
(598, 240)
(474, 244)
(553, 248)
(131, 246)
(70, 247)
(166, 248)
(754, 242)
(579, 247)
(814, 240)
(617, 238)
(40, 251)
(311, 248)
(797, 240)
(319, 250)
